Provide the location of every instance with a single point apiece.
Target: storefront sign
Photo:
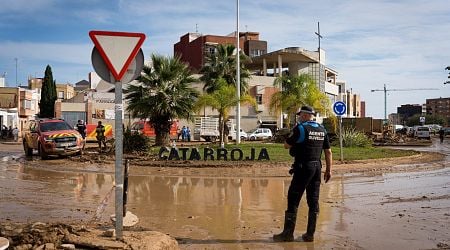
(220, 154)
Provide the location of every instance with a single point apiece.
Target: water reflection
(236, 209)
(196, 210)
(50, 195)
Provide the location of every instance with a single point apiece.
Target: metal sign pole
(340, 139)
(119, 153)
(118, 58)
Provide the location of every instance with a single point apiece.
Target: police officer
(81, 128)
(305, 144)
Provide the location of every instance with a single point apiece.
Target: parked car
(242, 133)
(422, 132)
(260, 134)
(51, 137)
(146, 128)
(446, 131)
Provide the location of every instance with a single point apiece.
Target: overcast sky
(403, 44)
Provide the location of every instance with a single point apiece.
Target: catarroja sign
(220, 154)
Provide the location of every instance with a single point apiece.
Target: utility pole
(238, 79)
(385, 90)
(16, 70)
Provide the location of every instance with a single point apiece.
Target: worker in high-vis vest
(101, 139)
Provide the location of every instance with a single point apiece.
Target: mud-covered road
(384, 204)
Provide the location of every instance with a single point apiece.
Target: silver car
(260, 134)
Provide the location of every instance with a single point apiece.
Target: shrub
(135, 142)
(353, 138)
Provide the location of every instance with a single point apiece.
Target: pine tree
(48, 95)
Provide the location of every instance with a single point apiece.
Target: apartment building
(17, 106)
(63, 90)
(194, 48)
(408, 110)
(9, 106)
(439, 106)
(265, 66)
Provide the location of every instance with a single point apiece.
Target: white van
(422, 132)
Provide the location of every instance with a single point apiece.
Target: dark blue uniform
(307, 141)
(81, 128)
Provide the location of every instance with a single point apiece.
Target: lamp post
(16, 69)
(238, 79)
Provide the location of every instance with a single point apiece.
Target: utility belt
(296, 166)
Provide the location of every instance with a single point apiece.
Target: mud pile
(63, 236)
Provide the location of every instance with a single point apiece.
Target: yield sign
(118, 49)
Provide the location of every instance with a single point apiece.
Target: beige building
(294, 61)
(9, 106)
(17, 106)
(352, 100)
(63, 90)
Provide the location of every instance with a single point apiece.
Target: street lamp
(238, 79)
(16, 70)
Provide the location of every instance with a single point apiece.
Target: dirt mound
(63, 236)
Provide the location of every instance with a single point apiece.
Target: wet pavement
(392, 210)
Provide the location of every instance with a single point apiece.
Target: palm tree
(222, 100)
(297, 91)
(222, 65)
(163, 95)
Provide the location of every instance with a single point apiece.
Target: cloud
(402, 43)
(24, 7)
(66, 53)
(33, 57)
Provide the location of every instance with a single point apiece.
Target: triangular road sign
(118, 49)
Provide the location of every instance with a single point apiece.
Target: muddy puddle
(391, 211)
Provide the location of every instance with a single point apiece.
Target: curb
(11, 143)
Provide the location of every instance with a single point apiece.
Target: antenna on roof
(196, 28)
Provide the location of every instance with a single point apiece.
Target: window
(210, 50)
(258, 99)
(256, 52)
(26, 104)
(54, 126)
(60, 94)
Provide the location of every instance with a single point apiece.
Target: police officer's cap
(307, 110)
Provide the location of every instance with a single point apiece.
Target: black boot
(289, 227)
(309, 235)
